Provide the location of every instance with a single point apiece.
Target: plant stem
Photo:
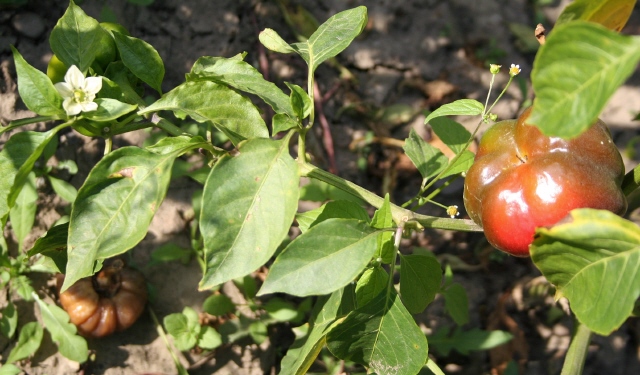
(400, 215)
(108, 145)
(577, 353)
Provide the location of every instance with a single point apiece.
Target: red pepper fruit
(522, 179)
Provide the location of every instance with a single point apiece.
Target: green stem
(577, 353)
(108, 145)
(399, 214)
(431, 365)
(161, 333)
(166, 125)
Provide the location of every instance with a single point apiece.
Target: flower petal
(64, 89)
(92, 85)
(71, 107)
(90, 106)
(74, 77)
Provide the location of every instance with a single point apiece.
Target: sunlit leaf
(56, 320)
(612, 14)
(429, 160)
(335, 251)
(36, 89)
(141, 58)
(575, 73)
(593, 260)
(381, 335)
(469, 107)
(245, 216)
(28, 342)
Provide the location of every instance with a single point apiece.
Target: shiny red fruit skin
(522, 179)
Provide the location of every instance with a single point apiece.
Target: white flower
(78, 92)
(514, 70)
(452, 211)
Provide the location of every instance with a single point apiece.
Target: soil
(413, 56)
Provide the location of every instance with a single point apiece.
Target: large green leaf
(56, 320)
(381, 335)
(593, 259)
(115, 206)
(248, 205)
(142, 59)
(242, 76)
(36, 89)
(420, 279)
(229, 111)
(332, 37)
(469, 107)
(17, 159)
(575, 73)
(429, 160)
(612, 14)
(325, 258)
(76, 38)
(334, 209)
(452, 134)
(305, 350)
(23, 213)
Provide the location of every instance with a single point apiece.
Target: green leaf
(22, 286)
(593, 260)
(452, 134)
(457, 303)
(329, 210)
(127, 186)
(9, 369)
(281, 122)
(273, 41)
(381, 335)
(305, 350)
(64, 189)
(170, 252)
(242, 76)
(56, 320)
(575, 73)
(372, 282)
(109, 110)
(229, 111)
(36, 89)
(142, 59)
(300, 101)
(28, 342)
(612, 14)
(17, 159)
(23, 213)
(428, 159)
(248, 205)
(76, 38)
(184, 328)
(258, 332)
(383, 219)
(465, 341)
(332, 37)
(469, 107)
(462, 164)
(209, 338)
(281, 310)
(9, 320)
(325, 258)
(420, 279)
(53, 244)
(218, 305)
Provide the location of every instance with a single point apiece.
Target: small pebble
(29, 24)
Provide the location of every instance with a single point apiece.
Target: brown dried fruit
(109, 301)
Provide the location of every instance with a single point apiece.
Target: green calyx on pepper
(522, 179)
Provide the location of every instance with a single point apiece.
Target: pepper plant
(343, 256)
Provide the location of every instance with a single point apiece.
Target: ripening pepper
(522, 179)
